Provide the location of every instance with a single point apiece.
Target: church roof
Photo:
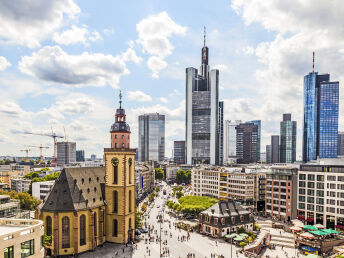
(76, 189)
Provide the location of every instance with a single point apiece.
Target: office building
(259, 124)
(321, 195)
(320, 132)
(93, 157)
(151, 137)
(288, 140)
(66, 153)
(144, 179)
(246, 143)
(275, 149)
(179, 152)
(202, 113)
(281, 193)
(80, 156)
(41, 189)
(229, 141)
(221, 129)
(340, 144)
(268, 154)
(20, 184)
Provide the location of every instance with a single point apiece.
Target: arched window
(115, 201)
(130, 226)
(114, 228)
(122, 136)
(48, 225)
(82, 230)
(65, 232)
(116, 145)
(130, 170)
(95, 224)
(130, 202)
(122, 144)
(115, 136)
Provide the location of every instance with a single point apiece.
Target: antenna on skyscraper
(204, 37)
(313, 60)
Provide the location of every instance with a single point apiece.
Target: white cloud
(76, 35)
(249, 50)
(108, 32)
(154, 33)
(130, 55)
(53, 65)
(163, 100)
(81, 105)
(139, 96)
(4, 63)
(11, 108)
(28, 24)
(221, 67)
(156, 64)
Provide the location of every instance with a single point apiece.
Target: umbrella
(239, 238)
(295, 228)
(307, 235)
(243, 235)
(310, 227)
(319, 226)
(319, 233)
(312, 256)
(231, 235)
(330, 231)
(297, 222)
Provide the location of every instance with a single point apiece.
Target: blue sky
(62, 63)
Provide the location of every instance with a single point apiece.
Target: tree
(179, 194)
(175, 206)
(195, 204)
(27, 202)
(143, 207)
(159, 174)
(242, 244)
(52, 176)
(32, 175)
(45, 169)
(157, 189)
(188, 177)
(183, 177)
(138, 219)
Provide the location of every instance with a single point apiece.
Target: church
(88, 206)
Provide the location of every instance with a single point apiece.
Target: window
(130, 226)
(122, 145)
(115, 136)
(65, 232)
(130, 169)
(48, 225)
(95, 224)
(115, 174)
(122, 136)
(311, 177)
(82, 230)
(302, 176)
(130, 202)
(8, 252)
(310, 184)
(27, 248)
(320, 178)
(114, 228)
(115, 201)
(116, 145)
(302, 184)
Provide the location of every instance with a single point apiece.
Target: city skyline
(254, 53)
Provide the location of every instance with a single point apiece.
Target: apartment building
(321, 195)
(144, 179)
(241, 184)
(281, 192)
(41, 189)
(20, 184)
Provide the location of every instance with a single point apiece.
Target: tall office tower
(259, 124)
(229, 141)
(220, 133)
(288, 140)
(202, 108)
(246, 143)
(151, 137)
(268, 154)
(80, 155)
(179, 152)
(66, 153)
(320, 124)
(340, 144)
(275, 149)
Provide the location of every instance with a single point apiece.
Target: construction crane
(27, 154)
(54, 136)
(40, 151)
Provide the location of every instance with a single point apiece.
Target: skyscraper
(179, 152)
(259, 124)
(320, 124)
(66, 153)
(202, 113)
(288, 139)
(246, 143)
(221, 133)
(275, 149)
(340, 144)
(229, 141)
(80, 155)
(152, 137)
(268, 154)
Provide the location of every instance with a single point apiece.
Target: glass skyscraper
(220, 133)
(202, 113)
(320, 123)
(229, 142)
(259, 124)
(151, 137)
(287, 140)
(246, 143)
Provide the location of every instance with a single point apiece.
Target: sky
(62, 63)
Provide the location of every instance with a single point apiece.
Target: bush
(193, 205)
(242, 244)
(179, 194)
(157, 189)
(241, 230)
(175, 206)
(143, 207)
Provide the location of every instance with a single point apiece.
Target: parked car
(143, 230)
(137, 232)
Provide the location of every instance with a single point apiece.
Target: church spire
(120, 99)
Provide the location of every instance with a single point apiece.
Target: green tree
(45, 169)
(138, 219)
(32, 175)
(180, 176)
(157, 189)
(242, 244)
(27, 202)
(179, 194)
(175, 206)
(159, 174)
(188, 177)
(50, 177)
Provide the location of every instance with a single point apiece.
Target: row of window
(115, 172)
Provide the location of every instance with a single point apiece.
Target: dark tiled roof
(76, 189)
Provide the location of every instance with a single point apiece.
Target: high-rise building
(229, 141)
(179, 152)
(93, 157)
(268, 154)
(340, 143)
(151, 137)
(246, 143)
(259, 124)
(221, 133)
(275, 149)
(288, 139)
(66, 153)
(80, 155)
(202, 108)
(320, 124)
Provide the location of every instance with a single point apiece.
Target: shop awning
(330, 231)
(295, 228)
(307, 235)
(310, 227)
(319, 226)
(319, 233)
(231, 235)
